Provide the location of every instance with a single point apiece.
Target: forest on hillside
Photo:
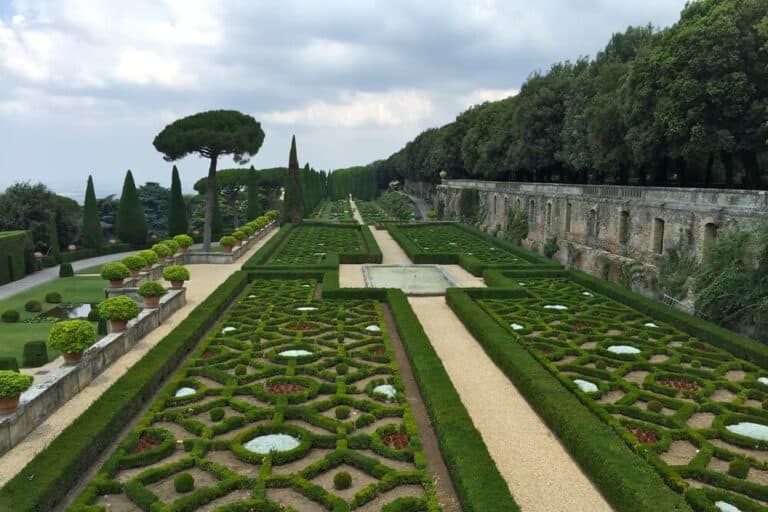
(683, 106)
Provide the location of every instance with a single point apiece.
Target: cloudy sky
(85, 85)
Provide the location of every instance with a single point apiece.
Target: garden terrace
(399, 206)
(682, 403)
(338, 210)
(321, 373)
(372, 213)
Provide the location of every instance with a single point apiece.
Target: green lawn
(76, 290)
(96, 269)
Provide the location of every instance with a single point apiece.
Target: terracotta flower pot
(151, 302)
(116, 283)
(177, 285)
(227, 249)
(135, 273)
(117, 325)
(9, 403)
(148, 268)
(184, 250)
(72, 357)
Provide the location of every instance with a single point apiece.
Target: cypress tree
(177, 210)
(91, 222)
(53, 237)
(254, 208)
(292, 202)
(131, 223)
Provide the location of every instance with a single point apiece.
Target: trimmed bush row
(740, 346)
(626, 481)
(477, 480)
(51, 473)
(265, 252)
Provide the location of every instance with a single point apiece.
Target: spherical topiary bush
(35, 354)
(66, 270)
(238, 234)
(162, 250)
(184, 241)
(342, 369)
(173, 245)
(738, 468)
(151, 289)
(114, 272)
(227, 241)
(217, 414)
(183, 482)
(241, 369)
(655, 406)
(176, 274)
(150, 257)
(248, 230)
(342, 412)
(134, 262)
(33, 306)
(71, 336)
(12, 384)
(120, 308)
(10, 316)
(342, 480)
(53, 298)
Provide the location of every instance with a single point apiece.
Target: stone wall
(602, 228)
(59, 385)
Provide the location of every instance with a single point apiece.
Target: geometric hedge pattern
(308, 244)
(278, 363)
(669, 395)
(447, 238)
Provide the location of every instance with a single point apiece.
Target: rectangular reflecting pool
(412, 279)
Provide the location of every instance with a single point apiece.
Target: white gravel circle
(271, 443)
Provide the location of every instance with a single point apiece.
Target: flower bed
(311, 244)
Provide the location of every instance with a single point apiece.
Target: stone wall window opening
(532, 212)
(624, 227)
(549, 215)
(710, 235)
(658, 235)
(592, 229)
(495, 204)
(568, 213)
(518, 204)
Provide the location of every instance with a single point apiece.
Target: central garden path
(205, 279)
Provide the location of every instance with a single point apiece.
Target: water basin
(585, 385)
(412, 279)
(387, 390)
(623, 349)
(295, 353)
(271, 443)
(749, 429)
(185, 391)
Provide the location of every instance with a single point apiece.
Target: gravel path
(205, 279)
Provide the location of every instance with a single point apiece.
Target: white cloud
(478, 96)
(358, 109)
(145, 67)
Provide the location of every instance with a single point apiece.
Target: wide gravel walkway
(205, 279)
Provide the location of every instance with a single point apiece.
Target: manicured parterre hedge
(13, 245)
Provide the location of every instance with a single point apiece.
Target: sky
(85, 85)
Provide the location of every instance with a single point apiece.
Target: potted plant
(12, 385)
(115, 272)
(118, 310)
(162, 251)
(176, 274)
(151, 291)
(184, 241)
(173, 245)
(248, 230)
(239, 236)
(71, 338)
(135, 263)
(227, 243)
(150, 257)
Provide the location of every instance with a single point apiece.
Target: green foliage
(35, 354)
(360, 182)
(9, 363)
(92, 233)
(217, 414)
(342, 480)
(254, 206)
(176, 273)
(738, 468)
(293, 204)
(72, 335)
(33, 306)
(655, 406)
(550, 247)
(155, 200)
(151, 289)
(677, 267)
(241, 369)
(183, 482)
(469, 205)
(177, 208)
(16, 252)
(342, 412)
(228, 240)
(372, 213)
(183, 240)
(239, 235)
(150, 256)
(13, 383)
(114, 271)
(54, 247)
(133, 262)
(162, 250)
(10, 316)
(29, 206)
(517, 225)
(130, 222)
(399, 206)
(53, 297)
(66, 270)
(118, 308)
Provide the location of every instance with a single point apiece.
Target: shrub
(33, 306)
(241, 369)
(238, 234)
(172, 244)
(13, 383)
(183, 482)
(53, 298)
(655, 406)
(183, 240)
(738, 468)
(342, 412)
(342, 480)
(118, 308)
(101, 327)
(176, 273)
(550, 247)
(134, 262)
(162, 250)
(71, 336)
(150, 257)
(228, 240)
(114, 271)
(65, 270)
(342, 369)
(272, 214)
(217, 414)
(93, 314)
(431, 214)
(248, 230)
(10, 316)
(35, 354)
(9, 363)
(151, 289)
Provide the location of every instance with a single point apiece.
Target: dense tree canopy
(685, 106)
(210, 135)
